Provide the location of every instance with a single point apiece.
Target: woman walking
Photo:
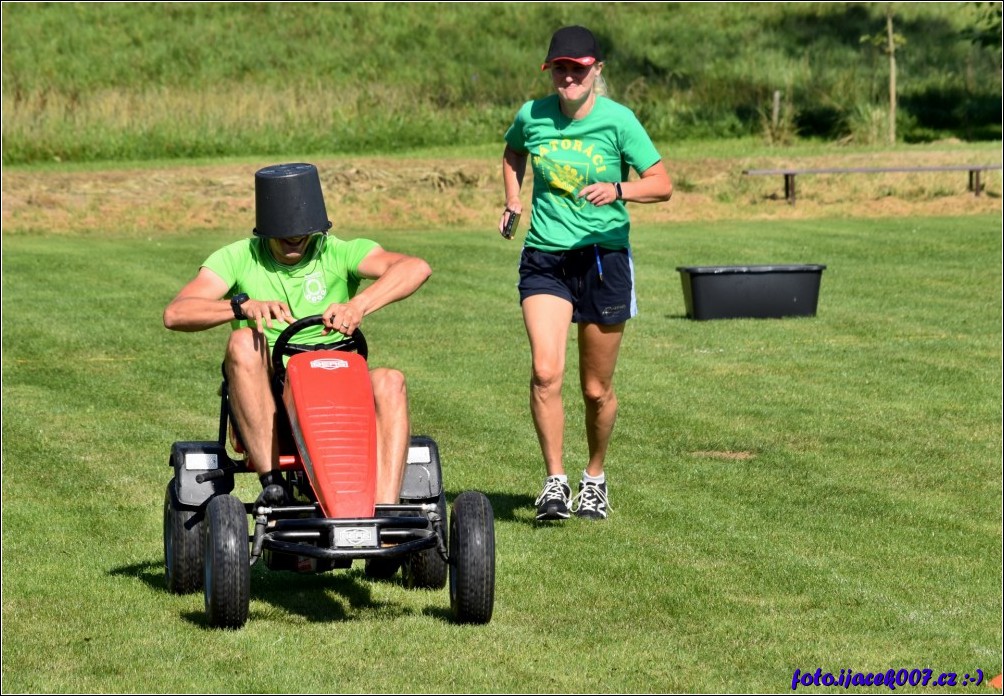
(576, 264)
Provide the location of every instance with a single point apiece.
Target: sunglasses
(568, 66)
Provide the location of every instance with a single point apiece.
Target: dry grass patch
(380, 193)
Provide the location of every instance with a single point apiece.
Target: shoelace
(590, 498)
(553, 490)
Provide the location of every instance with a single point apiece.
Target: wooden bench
(789, 174)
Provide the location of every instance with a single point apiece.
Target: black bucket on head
(288, 201)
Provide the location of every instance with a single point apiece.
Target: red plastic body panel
(329, 399)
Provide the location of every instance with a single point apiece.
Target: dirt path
(387, 193)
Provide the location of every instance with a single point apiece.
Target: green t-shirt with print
(567, 155)
(328, 273)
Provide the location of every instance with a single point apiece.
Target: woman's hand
(600, 193)
(511, 209)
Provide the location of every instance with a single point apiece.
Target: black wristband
(235, 304)
(620, 194)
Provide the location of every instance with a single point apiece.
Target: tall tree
(890, 48)
(888, 41)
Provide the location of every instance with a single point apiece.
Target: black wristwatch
(235, 304)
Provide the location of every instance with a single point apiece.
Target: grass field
(788, 494)
(799, 494)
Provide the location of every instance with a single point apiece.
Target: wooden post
(789, 188)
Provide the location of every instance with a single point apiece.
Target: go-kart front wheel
(182, 545)
(472, 558)
(227, 586)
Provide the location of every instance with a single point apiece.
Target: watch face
(235, 303)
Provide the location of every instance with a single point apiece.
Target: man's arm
(200, 304)
(396, 277)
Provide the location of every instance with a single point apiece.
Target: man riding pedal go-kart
(342, 478)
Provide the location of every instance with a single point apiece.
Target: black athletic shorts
(598, 282)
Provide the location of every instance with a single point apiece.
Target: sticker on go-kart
(328, 364)
(419, 455)
(201, 461)
(355, 537)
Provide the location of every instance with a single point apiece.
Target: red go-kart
(328, 454)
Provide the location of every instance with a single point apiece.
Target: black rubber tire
(381, 568)
(227, 587)
(427, 569)
(183, 557)
(472, 558)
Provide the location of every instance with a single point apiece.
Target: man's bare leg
(251, 400)
(390, 396)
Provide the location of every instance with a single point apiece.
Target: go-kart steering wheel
(354, 343)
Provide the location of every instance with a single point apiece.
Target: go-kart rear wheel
(472, 558)
(427, 569)
(182, 545)
(381, 568)
(227, 586)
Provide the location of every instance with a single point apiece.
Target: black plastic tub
(750, 292)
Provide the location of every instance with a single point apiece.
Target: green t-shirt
(328, 273)
(567, 155)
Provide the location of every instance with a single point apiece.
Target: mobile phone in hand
(510, 225)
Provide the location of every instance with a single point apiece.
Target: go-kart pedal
(273, 495)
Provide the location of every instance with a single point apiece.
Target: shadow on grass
(337, 596)
(519, 508)
(509, 507)
(340, 595)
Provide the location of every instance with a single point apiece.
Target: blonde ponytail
(600, 86)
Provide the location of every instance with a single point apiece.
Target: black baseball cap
(576, 44)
